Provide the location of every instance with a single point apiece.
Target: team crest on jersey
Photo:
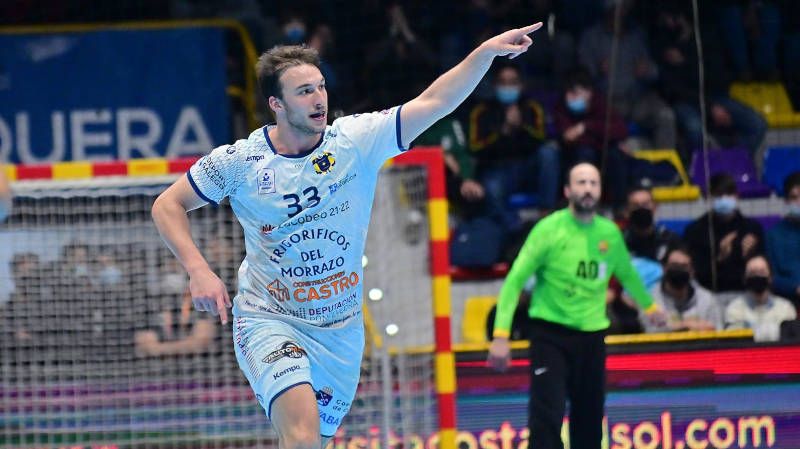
(324, 163)
(278, 291)
(324, 395)
(602, 246)
(266, 181)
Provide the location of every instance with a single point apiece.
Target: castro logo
(324, 163)
(288, 349)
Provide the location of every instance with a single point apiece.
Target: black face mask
(677, 277)
(756, 284)
(641, 218)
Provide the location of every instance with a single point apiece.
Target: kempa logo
(288, 349)
(254, 158)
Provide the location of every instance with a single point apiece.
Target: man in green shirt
(573, 253)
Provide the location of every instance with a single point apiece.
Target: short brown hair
(275, 61)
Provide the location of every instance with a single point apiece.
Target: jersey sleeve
(375, 135)
(217, 174)
(527, 262)
(627, 275)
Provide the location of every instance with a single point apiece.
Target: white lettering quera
(93, 133)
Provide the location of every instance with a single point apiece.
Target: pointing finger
(531, 28)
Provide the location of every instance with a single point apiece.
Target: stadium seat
(769, 99)
(678, 225)
(473, 325)
(683, 192)
(780, 162)
(737, 163)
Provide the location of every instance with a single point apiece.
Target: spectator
(337, 77)
(688, 305)
(22, 314)
(783, 244)
(507, 139)
(109, 273)
(176, 329)
(521, 323)
(580, 118)
(396, 63)
(730, 123)
(759, 22)
(758, 309)
(634, 73)
(736, 238)
(644, 238)
(449, 134)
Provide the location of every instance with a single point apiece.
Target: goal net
(100, 346)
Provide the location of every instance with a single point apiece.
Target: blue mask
(724, 205)
(794, 210)
(507, 94)
(295, 35)
(110, 276)
(577, 105)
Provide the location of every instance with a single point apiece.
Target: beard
(580, 207)
(299, 122)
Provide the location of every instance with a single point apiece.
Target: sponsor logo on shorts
(288, 349)
(324, 395)
(266, 181)
(288, 370)
(278, 291)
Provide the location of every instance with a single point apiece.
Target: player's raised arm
(453, 87)
(169, 214)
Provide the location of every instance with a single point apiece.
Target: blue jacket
(783, 251)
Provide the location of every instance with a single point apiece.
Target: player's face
(305, 100)
(583, 190)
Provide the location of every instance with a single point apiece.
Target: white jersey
(304, 216)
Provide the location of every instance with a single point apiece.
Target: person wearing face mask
(736, 238)
(508, 143)
(783, 244)
(644, 238)
(758, 309)
(294, 30)
(580, 119)
(689, 306)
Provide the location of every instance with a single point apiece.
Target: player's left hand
(512, 43)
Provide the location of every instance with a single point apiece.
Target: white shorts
(276, 355)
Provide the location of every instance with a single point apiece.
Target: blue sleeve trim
(197, 189)
(269, 408)
(397, 127)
